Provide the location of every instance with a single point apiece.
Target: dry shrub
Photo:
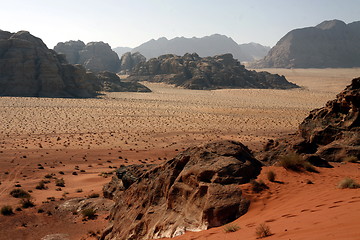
(348, 183)
(89, 213)
(262, 231)
(7, 210)
(19, 193)
(296, 163)
(231, 228)
(271, 175)
(258, 186)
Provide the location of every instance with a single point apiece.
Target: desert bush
(6, 210)
(27, 203)
(231, 228)
(348, 183)
(19, 193)
(89, 213)
(94, 195)
(41, 185)
(295, 163)
(263, 230)
(60, 182)
(271, 175)
(258, 186)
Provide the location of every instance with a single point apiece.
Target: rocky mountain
(196, 190)
(130, 60)
(121, 50)
(331, 133)
(29, 68)
(255, 50)
(94, 56)
(215, 44)
(194, 72)
(332, 44)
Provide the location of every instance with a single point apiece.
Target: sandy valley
(84, 140)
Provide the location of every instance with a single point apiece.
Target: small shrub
(61, 173)
(271, 175)
(231, 228)
(40, 210)
(89, 213)
(7, 210)
(295, 163)
(60, 182)
(348, 183)
(41, 185)
(263, 230)
(48, 176)
(94, 195)
(19, 193)
(79, 190)
(26, 203)
(258, 186)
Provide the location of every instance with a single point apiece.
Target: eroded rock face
(330, 133)
(130, 60)
(29, 68)
(110, 82)
(329, 44)
(94, 56)
(196, 190)
(194, 72)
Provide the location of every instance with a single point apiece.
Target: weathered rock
(331, 44)
(29, 68)
(110, 82)
(94, 56)
(79, 204)
(130, 60)
(330, 133)
(194, 72)
(196, 190)
(57, 236)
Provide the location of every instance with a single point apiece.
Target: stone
(130, 60)
(110, 82)
(196, 190)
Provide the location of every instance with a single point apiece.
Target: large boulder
(196, 190)
(130, 60)
(194, 72)
(330, 133)
(94, 56)
(29, 68)
(332, 44)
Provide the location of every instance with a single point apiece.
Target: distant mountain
(255, 50)
(121, 50)
(206, 46)
(329, 44)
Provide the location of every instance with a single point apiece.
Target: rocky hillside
(194, 72)
(331, 133)
(194, 191)
(94, 56)
(215, 44)
(29, 68)
(332, 44)
(110, 82)
(129, 61)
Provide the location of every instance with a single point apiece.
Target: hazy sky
(129, 23)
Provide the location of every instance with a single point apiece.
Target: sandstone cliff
(194, 72)
(332, 44)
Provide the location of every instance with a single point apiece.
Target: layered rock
(332, 44)
(194, 72)
(110, 82)
(331, 133)
(29, 68)
(130, 60)
(196, 190)
(94, 56)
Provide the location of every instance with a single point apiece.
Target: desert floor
(84, 140)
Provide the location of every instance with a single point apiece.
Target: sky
(129, 23)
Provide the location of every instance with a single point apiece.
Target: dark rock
(29, 68)
(331, 132)
(318, 161)
(94, 56)
(110, 82)
(331, 44)
(194, 72)
(194, 191)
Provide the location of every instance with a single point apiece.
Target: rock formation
(194, 72)
(130, 60)
(110, 82)
(255, 50)
(94, 56)
(29, 68)
(332, 44)
(196, 190)
(331, 133)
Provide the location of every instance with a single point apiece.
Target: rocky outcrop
(110, 82)
(331, 133)
(332, 44)
(29, 68)
(129, 61)
(194, 72)
(94, 56)
(196, 190)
